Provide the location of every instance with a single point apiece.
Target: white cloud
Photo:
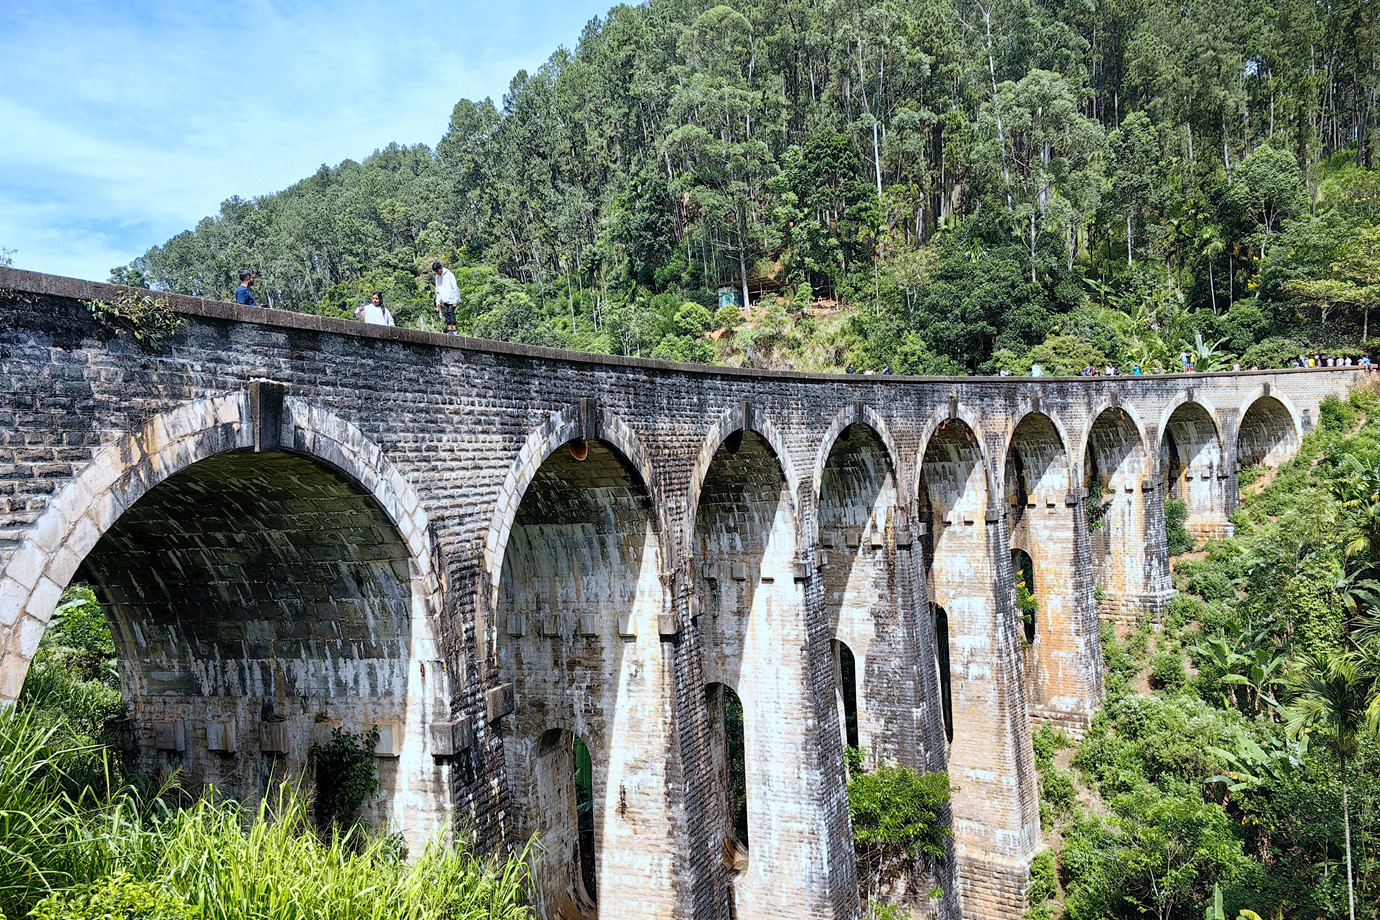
(129, 122)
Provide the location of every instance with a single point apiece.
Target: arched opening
(941, 662)
(1125, 539)
(257, 601)
(953, 507)
(857, 566)
(578, 601)
(1056, 607)
(1267, 435)
(846, 670)
(1190, 464)
(729, 751)
(562, 772)
(1023, 579)
(754, 638)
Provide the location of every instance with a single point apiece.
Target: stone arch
(1037, 417)
(570, 424)
(128, 467)
(857, 413)
(579, 599)
(1269, 430)
(1036, 463)
(1122, 448)
(1190, 463)
(740, 418)
(1125, 515)
(858, 521)
(756, 637)
(307, 580)
(953, 491)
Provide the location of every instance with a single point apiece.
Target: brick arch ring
(732, 420)
(125, 469)
(1026, 410)
(1263, 392)
(1181, 400)
(854, 414)
(964, 415)
(567, 425)
(1143, 439)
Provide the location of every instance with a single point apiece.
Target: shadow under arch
(1269, 431)
(862, 599)
(735, 423)
(1191, 469)
(755, 638)
(1063, 657)
(574, 423)
(1125, 516)
(257, 598)
(579, 597)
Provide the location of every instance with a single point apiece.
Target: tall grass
(225, 863)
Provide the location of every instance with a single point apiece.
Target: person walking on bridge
(447, 296)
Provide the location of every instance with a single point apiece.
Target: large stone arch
(857, 504)
(740, 418)
(1191, 462)
(990, 759)
(575, 422)
(1063, 655)
(1126, 522)
(1269, 429)
(762, 635)
(857, 413)
(579, 597)
(302, 595)
(132, 464)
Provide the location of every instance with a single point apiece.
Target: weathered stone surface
(300, 523)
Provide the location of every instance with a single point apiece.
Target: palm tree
(1336, 699)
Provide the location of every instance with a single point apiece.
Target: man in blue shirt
(242, 293)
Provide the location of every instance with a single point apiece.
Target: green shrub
(1182, 611)
(1177, 539)
(1167, 671)
(115, 897)
(346, 776)
(1044, 885)
(896, 818)
(1056, 791)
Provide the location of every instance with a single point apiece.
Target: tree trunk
(1346, 823)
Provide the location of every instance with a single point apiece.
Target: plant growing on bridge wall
(1094, 506)
(149, 319)
(346, 776)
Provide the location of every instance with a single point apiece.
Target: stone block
(627, 629)
(589, 625)
(499, 702)
(170, 736)
(220, 737)
(390, 743)
(273, 737)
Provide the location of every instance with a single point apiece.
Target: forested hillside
(969, 179)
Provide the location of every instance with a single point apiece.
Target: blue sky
(129, 122)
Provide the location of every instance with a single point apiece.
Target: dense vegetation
(983, 182)
(79, 839)
(1236, 754)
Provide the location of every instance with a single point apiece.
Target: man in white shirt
(374, 311)
(447, 296)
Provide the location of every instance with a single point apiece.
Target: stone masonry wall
(419, 454)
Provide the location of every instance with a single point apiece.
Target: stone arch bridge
(490, 551)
